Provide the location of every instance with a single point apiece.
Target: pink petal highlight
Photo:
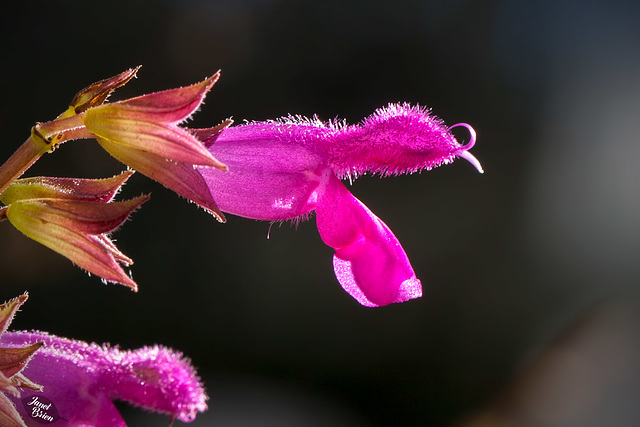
(369, 262)
(270, 177)
(82, 380)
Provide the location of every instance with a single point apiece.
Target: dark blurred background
(530, 271)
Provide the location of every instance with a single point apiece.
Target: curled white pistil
(463, 151)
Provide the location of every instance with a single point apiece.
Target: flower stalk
(44, 138)
(21, 160)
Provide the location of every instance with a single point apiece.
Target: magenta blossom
(80, 381)
(286, 169)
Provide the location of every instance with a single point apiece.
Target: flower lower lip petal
(369, 262)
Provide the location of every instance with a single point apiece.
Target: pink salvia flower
(81, 380)
(286, 169)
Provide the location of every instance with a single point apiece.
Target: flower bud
(98, 92)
